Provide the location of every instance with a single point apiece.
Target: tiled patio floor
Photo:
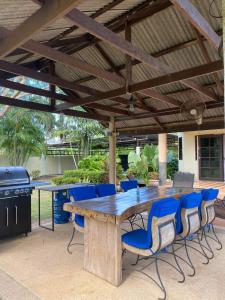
(41, 266)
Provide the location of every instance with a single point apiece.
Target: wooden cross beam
(27, 72)
(47, 14)
(71, 62)
(118, 42)
(143, 87)
(198, 21)
(47, 108)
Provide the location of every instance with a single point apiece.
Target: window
(180, 146)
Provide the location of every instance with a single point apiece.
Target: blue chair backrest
(209, 194)
(83, 193)
(106, 189)
(191, 200)
(161, 209)
(128, 185)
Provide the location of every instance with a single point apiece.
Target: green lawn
(46, 204)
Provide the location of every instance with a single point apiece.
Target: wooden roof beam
(71, 62)
(47, 108)
(144, 87)
(166, 112)
(198, 21)
(47, 14)
(174, 127)
(126, 47)
(27, 72)
(55, 41)
(160, 53)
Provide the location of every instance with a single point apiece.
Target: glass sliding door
(211, 157)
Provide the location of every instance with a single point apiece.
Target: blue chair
(105, 189)
(127, 185)
(79, 194)
(207, 212)
(188, 223)
(160, 233)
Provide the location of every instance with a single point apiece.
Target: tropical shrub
(35, 174)
(172, 168)
(92, 162)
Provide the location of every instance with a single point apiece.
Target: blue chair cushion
(83, 193)
(209, 194)
(187, 201)
(137, 238)
(79, 194)
(79, 220)
(127, 185)
(107, 189)
(141, 238)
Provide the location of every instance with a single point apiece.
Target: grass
(46, 204)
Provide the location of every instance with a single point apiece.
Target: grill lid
(13, 176)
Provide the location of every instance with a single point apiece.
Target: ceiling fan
(194, 110)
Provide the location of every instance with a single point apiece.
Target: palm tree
(84, 132)
(20, 136)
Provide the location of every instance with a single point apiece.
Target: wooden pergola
(129, 64)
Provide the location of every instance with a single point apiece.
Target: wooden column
(162, 147)
(112, 151)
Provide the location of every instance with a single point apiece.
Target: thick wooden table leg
(102, 250)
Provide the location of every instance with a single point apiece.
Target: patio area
(39, 267)
(133, 68)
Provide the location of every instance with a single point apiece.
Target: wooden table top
(121, 206)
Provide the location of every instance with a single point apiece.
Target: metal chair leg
(162, 287)
(203, 251)
(189, 259)
(70, 242)
(176, 261)
(216, 238)
(209, 247)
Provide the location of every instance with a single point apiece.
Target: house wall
(188, 163)
(49, 165)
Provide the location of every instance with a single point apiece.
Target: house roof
(160, 29)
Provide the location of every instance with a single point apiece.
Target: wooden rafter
(134, 16)
(116, 41)
(47, 14)
(27, 72)
(47, 108)
(181, 127)
(198, 21)
(156, 82)
(57, 42)
(65, 59)
(208, 60)
(166, 112)
(160, 53)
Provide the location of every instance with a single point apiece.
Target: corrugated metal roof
(161, 31)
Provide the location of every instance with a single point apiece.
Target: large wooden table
(102, 235)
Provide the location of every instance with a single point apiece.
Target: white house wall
(49, 165)
(188, 163)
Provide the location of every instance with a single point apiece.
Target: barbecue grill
(15, 201)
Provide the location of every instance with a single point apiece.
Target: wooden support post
(112, 151)
(162, 147)
(102, 250)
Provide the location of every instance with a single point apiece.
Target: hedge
(74, 176)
